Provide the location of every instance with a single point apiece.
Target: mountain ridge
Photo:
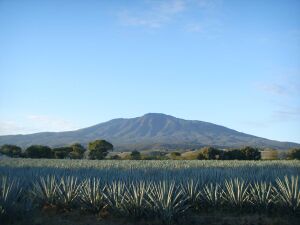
(150, 131)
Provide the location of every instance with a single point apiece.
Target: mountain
(151, 131)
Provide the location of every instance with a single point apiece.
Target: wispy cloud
(287, 114)
(162, 13)
(35, 123)
(285, 85)
(282, 93)
(159, 14)
(274, 89)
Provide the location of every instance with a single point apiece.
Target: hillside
(151, 131)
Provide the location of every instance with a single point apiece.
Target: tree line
(97, 149)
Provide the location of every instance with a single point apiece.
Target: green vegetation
(135, 155)
(99, 149)
(167, 191)
(39, 151)
(11, 150)
(75, 151)
(294, 153)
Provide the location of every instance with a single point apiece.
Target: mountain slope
(152, 130)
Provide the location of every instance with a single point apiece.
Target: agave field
(164, 190)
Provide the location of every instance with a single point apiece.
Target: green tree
(62, 152)
(11, 150)
(210, 153)
(234, 154)
(251, 153)
(39, 151)
(135, 155)
(293, 153)
(201, 156)
(77, 151)
(99, 149)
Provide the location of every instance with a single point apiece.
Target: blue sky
(70, 64)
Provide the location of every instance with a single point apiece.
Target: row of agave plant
(164, 200)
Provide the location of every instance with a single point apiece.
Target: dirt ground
(81, 218)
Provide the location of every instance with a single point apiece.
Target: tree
(210, 153)
(234, 154)
(135, 155)
(251, 153)
(99, 149)
(294, 153)
(11, 150)
(201, 156)
(77, 151)
(62, 152)
(39, 151)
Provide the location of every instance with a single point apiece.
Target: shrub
(234, 154)
(251, 153)
(99, 149)
(294, 153)
(62, 152)
(210, 153)
(39, 151)
(135, 155)
(11, 150)
(77, 151)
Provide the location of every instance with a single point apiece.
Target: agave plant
(191, 189)
(114, 195)
(236, 193)
(45, 191)
(10, 193)
(261, 194)
(168, 201)
(211, 195)
(136, 199)
(91, 195)
(68, 191)
(288, 192)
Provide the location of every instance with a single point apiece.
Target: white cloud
(159, 14)
(35, 123)
(273, 88)
(195, 16)
(10, 127)
(282, 93)
(283, 114)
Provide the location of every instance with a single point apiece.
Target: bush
(11, 150)
(251, 153)
(39, 151)
(234, 154)
(77, 151)
(62, 152)
(99, 149)
(135, 155)
(294, 153)
(210, 153)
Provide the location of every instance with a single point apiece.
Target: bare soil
(48, 217)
